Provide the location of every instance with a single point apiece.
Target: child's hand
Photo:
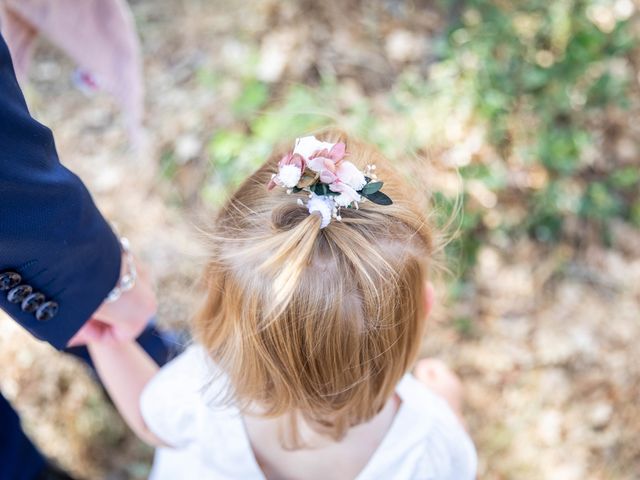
(123, 319)
(95, 331)
(436, 375)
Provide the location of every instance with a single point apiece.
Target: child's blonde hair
(321, 323)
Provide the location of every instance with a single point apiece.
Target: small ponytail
(286, 265)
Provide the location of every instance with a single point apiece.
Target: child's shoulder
(192, 373)
(420, 398)
(182, 395)
(193, 359)
(427, 424)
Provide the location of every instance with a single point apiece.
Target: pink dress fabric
(99, 35)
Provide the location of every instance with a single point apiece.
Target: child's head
(322, 322)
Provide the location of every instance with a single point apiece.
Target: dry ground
(550, 361)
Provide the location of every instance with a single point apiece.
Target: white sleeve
(170, 403)
(452, 451)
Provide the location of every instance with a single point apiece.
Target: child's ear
(429, 298)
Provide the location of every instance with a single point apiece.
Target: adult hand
(123, 319)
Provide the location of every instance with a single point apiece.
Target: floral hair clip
(320, 168)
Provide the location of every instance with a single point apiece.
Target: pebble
(549, 427)
(600, 415)
(187, 147)
(403, 46)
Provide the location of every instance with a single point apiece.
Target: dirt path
(545, 340)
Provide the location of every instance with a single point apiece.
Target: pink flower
(336, 154)
(347, 193)
(326, 162)
(327, 176)
(292, 159)
(307, 146)
(319, 164)
(338, 151)
(290, 169)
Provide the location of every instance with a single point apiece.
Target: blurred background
(518, 120)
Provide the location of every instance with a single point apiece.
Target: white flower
(344, 200)
(307, 146)
(347, 194)
(322, 204)
(348, 173)
(289, 175)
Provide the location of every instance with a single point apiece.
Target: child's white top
(424, 442)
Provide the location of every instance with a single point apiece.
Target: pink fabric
(99, 35)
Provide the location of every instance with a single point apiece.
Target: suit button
(32, 302)
(19, 293)
(47, 311)
(8, 280)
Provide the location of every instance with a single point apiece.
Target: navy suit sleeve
(51, 233)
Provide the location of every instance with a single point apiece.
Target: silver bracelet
(128, 279)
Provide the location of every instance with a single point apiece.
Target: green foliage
(322, 189)
(372, 187)
(235, 152)
(253, 97)
(634, 214)
(536, 79)
(546, 213)
(379, 198)
(540, 73)
(462, 248)
(599, 202)
(168, 166)
(464, 326)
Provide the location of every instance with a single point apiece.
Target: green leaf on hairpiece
(318, 188)
(296, 189)
(378, 198)
(321, 189)
(371, 187)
